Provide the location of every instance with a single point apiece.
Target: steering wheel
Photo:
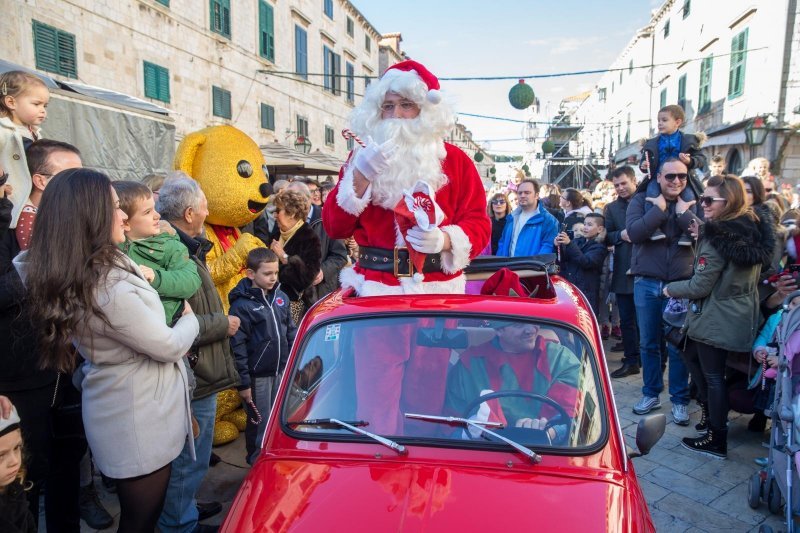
(561, 414)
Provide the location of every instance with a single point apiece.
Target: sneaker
(646, 404)
(685, 240)
(616, 332)
(713, 444)
(680, 414)
(658, 235)
(761, 461)
(92, 511)
(605, 332)
(625, 370)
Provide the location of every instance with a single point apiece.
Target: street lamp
(302, 144)
(755, 133)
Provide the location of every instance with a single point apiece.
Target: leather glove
(427, 242)
(374, 158)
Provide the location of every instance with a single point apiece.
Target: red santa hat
(427, 77)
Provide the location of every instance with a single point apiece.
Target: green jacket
(723, 291)
(176, 275)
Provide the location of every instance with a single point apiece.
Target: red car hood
(316, 496)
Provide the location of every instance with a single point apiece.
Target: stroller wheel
(774, 498)
(754, 492)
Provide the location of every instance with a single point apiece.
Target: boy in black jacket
(582, 258)
(261, 346)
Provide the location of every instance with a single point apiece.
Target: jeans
(264, 390)
(630, 332)
(707, 364)
(650, 303)
(180, 507)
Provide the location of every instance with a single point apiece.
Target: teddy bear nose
(265, 189)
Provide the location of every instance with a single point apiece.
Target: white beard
(418, 157)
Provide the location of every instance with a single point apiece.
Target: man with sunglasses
(654, 263)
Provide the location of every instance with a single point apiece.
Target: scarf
(288, 234)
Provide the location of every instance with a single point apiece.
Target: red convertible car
(448, 413)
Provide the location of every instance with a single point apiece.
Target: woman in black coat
(298, 249)
(497, 209)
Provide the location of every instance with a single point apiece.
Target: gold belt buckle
(397, 263)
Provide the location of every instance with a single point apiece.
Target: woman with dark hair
(575, 207)
(723, 312)
(497, 209)
(298, 249)
(96, 311)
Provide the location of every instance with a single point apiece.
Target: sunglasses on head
(672, 177)
(708, 200)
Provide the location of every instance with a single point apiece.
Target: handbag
(66, 416)
(674, 317)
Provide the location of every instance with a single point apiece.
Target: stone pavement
(685, 491)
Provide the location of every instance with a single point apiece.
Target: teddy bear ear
(187, 150)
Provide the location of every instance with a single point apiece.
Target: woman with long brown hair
(99, 317)
(497, 208)
(723, 311)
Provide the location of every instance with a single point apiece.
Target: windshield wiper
(480, 425)
(352, 425)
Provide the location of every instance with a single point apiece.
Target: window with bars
(666, 29)
(266, 31)
(738, 60)
(687, 8)
(220, 102)
(332, 69)
(351, 27)
(329, 137)
(327, 8)
(221, 17)
(682, 91)
(156, 82)
(663, 100)
(704, 99)
(267, 117)
(301, 52)
(54, 50)
(350, 93)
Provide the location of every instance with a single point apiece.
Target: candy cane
(347, 134)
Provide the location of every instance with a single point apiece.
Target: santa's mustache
(402, 131)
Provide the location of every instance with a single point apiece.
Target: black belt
(396, 261)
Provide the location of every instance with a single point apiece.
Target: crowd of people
(117, 340)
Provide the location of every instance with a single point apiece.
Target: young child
(15, 515)
(582, 258)
(23, 107)
(261, 346)
(670, 143)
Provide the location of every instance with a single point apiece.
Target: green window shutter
(163, 85)
(221, 17)
(301, 52)
(156, 82)
(221, 102)
(704, 99)
(267, 117)
(738, 60)
(163, 2)
(266, 29)
(54, 50)
(663, 97)
(682, 91)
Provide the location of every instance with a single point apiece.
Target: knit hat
(430, 81)
(7, 425)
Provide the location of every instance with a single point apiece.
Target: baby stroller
(777, 484)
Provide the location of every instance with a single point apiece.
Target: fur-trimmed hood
(742, 241)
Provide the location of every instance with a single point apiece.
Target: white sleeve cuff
(457, 257)
(346, 197)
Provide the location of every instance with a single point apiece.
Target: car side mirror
(648, 433)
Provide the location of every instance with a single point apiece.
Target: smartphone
(571, 234)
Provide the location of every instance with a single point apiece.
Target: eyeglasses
(708, 200)
(405, 106)
(498, 202)
(672, 177)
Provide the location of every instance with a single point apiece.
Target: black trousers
(51, 462)
(630, 331)
(707, 367)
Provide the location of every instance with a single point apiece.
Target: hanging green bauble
(478, 156)
(521, 95)
(548, 147)
(493, 170)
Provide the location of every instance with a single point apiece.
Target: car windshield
(533, 382)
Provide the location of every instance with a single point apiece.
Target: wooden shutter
(266, 27)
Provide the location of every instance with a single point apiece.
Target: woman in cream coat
(85, 293)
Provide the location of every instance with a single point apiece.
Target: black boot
(758, 423)
(702, 426)
(92, 511)
(713, 444)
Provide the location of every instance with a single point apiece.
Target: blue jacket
(537, 236)
(261, 346)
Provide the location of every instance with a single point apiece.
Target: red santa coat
(463, 202)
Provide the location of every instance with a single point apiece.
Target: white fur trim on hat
(346, 197)
(7, 425)
(434, 96)
(457, 258)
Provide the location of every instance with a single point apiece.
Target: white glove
(374, 158)
(427, 242)
(481, 416)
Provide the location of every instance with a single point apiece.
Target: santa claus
(414, 204)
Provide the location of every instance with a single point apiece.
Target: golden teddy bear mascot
(232, 173)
